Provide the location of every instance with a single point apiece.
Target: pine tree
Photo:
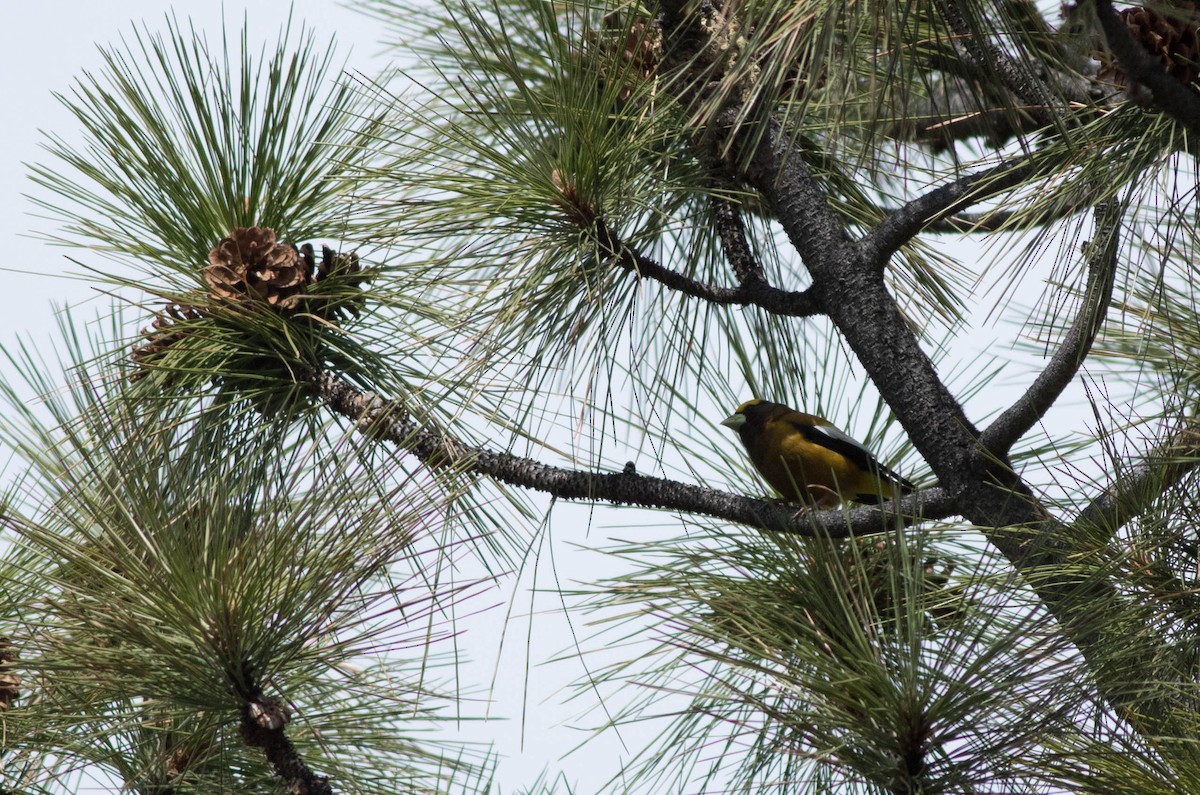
(373, 334)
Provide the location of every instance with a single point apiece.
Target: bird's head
(738, 418)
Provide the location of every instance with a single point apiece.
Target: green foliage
(893, 665)
(172, 566)
(187, 140)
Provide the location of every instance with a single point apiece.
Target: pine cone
(251, 265)
(1173, 40)
(332, 264)
(161, 335)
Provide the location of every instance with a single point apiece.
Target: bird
(809, 460)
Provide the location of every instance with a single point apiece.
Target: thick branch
(389, 420)
(1170, 95)
(964, 99)
(750, 293)
(853, 290)
(1029, 409)
(971, 223)
(985, 489)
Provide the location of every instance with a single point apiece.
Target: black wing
(831, 438)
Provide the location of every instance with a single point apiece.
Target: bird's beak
(734, 421)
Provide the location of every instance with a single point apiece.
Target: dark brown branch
(1170, 95)
(951, 221)
(903, 223)
(1029, 409)
(751, 293)
(388, 420)
(1065, 65)
(1138, 488)
(262, 726)
(732, 232)
(968, 96)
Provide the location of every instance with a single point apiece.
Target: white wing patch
(836, 433)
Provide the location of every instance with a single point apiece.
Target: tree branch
(389, 420)
(732, 231)
(903, 223)
(753, 292)
(1029, 409)
(262, 726)
(938, 211)
(1040, 101)
(1161, 469)
(258, 730)
(852, 289)
(995, 220)
(985, 221)
(1170, 95)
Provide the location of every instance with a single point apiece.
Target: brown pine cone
(251, 265)
(1173, 40)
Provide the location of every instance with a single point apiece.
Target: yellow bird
(808, 460)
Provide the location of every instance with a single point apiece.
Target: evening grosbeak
(808, 460)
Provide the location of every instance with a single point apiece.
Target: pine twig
(1160, 469)
(753, 292)
(1029, 409)
(732, 232)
